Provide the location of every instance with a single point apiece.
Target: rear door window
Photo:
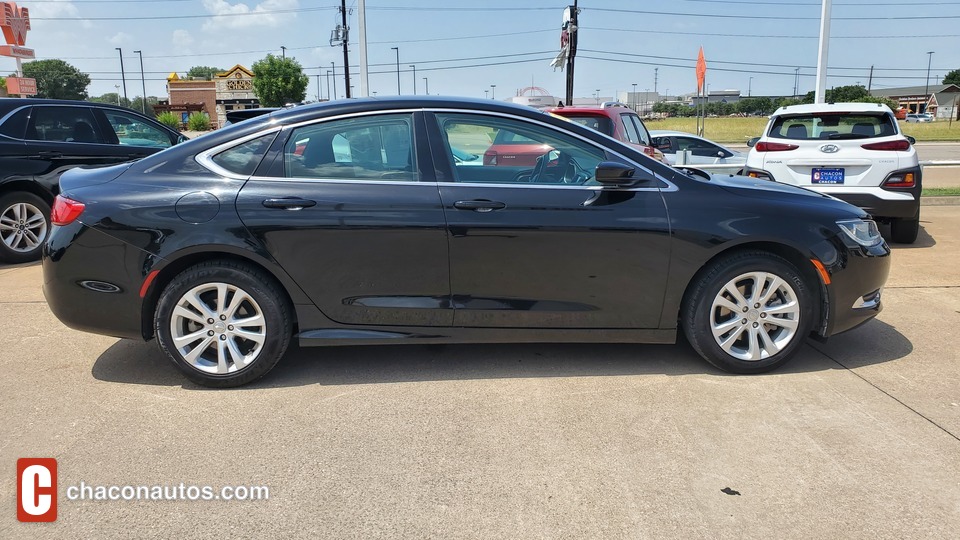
(65, 124)
(642, 132)
(131, 130)
(16, 125)
(631, 129)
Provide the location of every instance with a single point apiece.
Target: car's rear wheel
(223, 324)
(749, 312)
(24, 225)
(905, 231)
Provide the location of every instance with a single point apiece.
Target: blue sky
(465, 47)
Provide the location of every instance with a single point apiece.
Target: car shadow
(924, 239)
(8, 266)
(132, 362)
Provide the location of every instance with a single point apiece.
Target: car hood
(83, 177)
(767, 189)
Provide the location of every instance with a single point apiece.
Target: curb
(940, 201)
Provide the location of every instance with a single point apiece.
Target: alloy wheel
(755, 316)
(218, 328)
(22, 227)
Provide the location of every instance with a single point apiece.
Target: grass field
(940, 192)
(739, 130)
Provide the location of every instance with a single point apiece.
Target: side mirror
(911, 139)
(613, 174)
(753, 142)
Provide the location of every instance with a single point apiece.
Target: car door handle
(289, 203)
(49, 154)
(479, 205)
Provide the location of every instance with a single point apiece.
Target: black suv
(42, 138)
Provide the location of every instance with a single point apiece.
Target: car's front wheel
(749, 312)
(24, 225)
(223, 324)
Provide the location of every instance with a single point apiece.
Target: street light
(486, 94)
(414, 78)
(283, 52)
(598, 97)
(398, 68)
(143, 81)
(926, 88)
(750, 87)
(328, 85)
(318, 88)
(493, 91)
(426, 86)
(117, 86)
(334, 77)
(634, 96)
(123, 76)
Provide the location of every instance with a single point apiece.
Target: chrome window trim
(82, 104)
(204, 158)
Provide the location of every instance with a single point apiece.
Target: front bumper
(856, 287)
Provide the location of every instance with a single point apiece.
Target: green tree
(755, 105)
(112, 98)
(57, 79)
(841, 94)
(278, 81)
(953, 77)
(203, 72)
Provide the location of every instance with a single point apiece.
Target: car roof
(604, 110)
(813, 108)
(9, 104)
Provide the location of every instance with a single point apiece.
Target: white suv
(852, 151)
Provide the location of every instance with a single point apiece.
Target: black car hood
(90, 176)
(767, 189)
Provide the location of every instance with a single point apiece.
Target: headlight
(862, 231)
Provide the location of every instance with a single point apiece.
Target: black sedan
(351, 222)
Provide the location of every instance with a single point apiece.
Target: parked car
(852, 151)
(42, 138)
(919, 117)
(702, 151)
(239, 115)
(227, 247)
(615, 120)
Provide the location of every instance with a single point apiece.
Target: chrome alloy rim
(755, 316)
(218, 328)
(22, 227)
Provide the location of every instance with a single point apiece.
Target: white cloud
(55, 8)
(182, 40)
(221, 9)
(120, 38)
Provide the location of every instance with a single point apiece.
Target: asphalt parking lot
(856, 438)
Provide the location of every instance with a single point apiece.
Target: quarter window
(641, 129)
(378, 148)
(244, 158)
(132, 130)
(507, 151)
(66, 124)
(16, 125)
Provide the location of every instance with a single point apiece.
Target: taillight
(901, 145)
(649, 151)
(906, 180)
(490, 157)
(774, 147)
(65, 210)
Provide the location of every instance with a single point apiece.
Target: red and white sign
(37, 490)
(21, 86)
(15, 51)
(15, 22)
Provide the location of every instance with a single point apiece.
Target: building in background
(228, 91)
(940, 100)
(534, 96)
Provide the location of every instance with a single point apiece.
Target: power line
(767, 36)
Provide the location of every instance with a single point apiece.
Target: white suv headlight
(862, 231)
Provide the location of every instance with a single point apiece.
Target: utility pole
(820, 94)
(398, 68)
(143, 81)
(572, 32)
(123, 76)
(414, 66)
(364, 71)
(346, 42)
(870, 80)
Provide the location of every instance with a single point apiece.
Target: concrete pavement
(856, 438)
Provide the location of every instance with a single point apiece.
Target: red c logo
(37, 489)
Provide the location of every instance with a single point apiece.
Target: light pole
(414, 78)
(333, 67)
(486, 94)
(750, 87)
(635, 105)
(117, 86)
(426, 86)
(143, 81)
(493, 91)
(123, 76)
(283, 52)
(598, 97)
(318, 88)
(926, 87)
(328, 85)
(398, 68)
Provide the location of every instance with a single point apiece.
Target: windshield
(842, 125)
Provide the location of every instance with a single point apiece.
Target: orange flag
(701, 70)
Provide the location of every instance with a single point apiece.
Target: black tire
(905, 231)
(698, 313)
(23, 251)
(266, 299)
